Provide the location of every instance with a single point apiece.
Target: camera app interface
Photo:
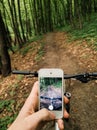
(51, 93)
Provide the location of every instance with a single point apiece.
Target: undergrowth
(88, 32)
(40, 52)
(6, 106)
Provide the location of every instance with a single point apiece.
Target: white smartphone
(51, 90)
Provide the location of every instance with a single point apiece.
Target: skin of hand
(31, 119)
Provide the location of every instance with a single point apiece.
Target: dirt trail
(84, 96)
(58, 57)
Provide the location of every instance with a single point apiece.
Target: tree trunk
(64, 12)
(48, 16)
(35, 17)
(4, 56)
(77, 14)
(50, 25)
(70, 12)
(12, 8)
(95, 6)
(26, 20)
(20, 20)
(42, 17)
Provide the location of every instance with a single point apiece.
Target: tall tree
(27, 20)
(20, 20)
(86, 8)
(77, 14)
(4, 56)
(42, 16)
(48, 15)
(95, 5)
(15, 27)
(69, 12)
(35, 17)
(49, 11)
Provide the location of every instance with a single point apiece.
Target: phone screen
(51, 93)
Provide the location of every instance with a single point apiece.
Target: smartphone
(51, 90)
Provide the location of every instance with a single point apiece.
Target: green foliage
(37, 17)
(20, 77)
(36, 38)
(25, 50)
(27, 46)
(6, 106)
(5, 121)
(12, 92)
(40, 52)
(56, 82)
(89, 30)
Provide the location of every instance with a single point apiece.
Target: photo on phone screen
(51, 93)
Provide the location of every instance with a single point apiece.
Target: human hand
(31, 119)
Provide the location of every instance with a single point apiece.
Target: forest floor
(58, 51)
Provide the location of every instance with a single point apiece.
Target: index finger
(66, 100)
(31, 103)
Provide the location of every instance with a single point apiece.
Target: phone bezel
(57, 73)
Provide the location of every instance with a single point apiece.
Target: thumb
(38, 118)
(45, 115)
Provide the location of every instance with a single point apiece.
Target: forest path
(60, 54)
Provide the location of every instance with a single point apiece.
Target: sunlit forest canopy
(26, 18)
